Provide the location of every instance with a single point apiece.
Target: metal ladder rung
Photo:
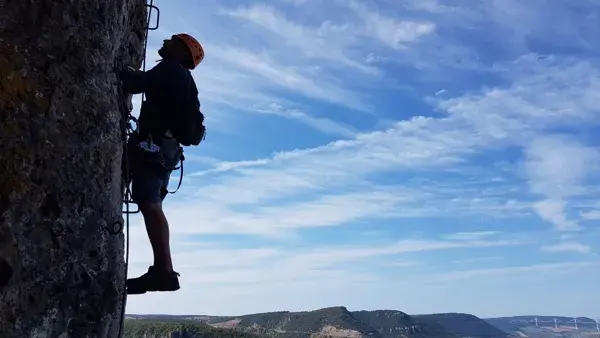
(151, 7)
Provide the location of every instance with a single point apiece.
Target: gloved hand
(127, 69)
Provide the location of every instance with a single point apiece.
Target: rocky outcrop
(61, 271)
(331, 322)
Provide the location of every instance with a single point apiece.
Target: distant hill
(392, 323)
(332, 321)
(463, 325)
(326, 322)
(547, 326)
(339, 322)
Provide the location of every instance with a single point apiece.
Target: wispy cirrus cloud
(326, 41)
(318, 123)
(566, 267)
(472, 235)
(567, 246)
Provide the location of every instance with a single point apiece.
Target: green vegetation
(139, 328)
(310, 324)
(365, 324)
(392, 324)
(305, 323)
(462, 325)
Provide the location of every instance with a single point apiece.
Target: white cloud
(570, 246)
(476, 260)
(471, 235)
(324, 258)
(545, 166)
(591, 215)
(564, 267)
(433, 6)
(415, 143)
(259, 72)
(328, 41)
(553, 211)
(327, 210)
(372, 58)
(545, 93)
(391, 32)
(322, 124)
(337, 43)
(402, 264)
(549, 176)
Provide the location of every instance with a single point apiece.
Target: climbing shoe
(153, 280)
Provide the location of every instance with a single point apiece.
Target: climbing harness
(127, 131)
(149, 153)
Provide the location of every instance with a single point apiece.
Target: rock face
(61, 271)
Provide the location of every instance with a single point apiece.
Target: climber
(156, 148)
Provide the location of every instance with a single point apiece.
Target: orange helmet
(196, 50)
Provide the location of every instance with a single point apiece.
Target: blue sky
(423, 155)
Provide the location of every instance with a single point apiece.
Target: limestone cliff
(61, 272)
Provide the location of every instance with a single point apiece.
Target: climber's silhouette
(155, 150)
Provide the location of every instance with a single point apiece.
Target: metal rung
(130, 211)
(150, 8)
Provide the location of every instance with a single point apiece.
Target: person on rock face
(166, 86)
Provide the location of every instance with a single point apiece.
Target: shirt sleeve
(136, 82)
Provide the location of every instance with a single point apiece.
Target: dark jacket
(167, 86)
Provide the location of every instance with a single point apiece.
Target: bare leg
(157, 227)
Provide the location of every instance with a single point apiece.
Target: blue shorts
(149, 181)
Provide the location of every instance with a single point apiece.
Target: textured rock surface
(61, 272)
